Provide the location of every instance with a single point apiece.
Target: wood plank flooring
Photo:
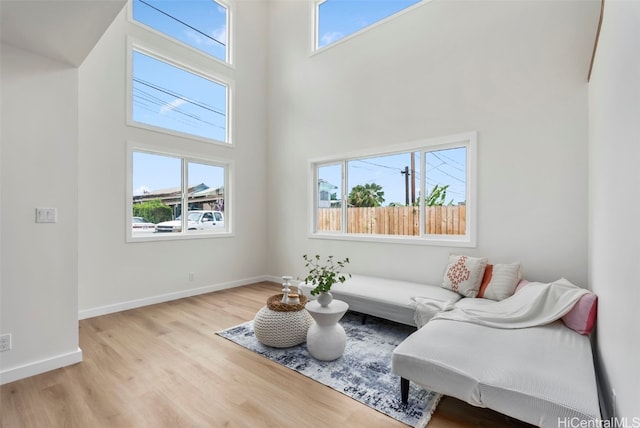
(164, 366)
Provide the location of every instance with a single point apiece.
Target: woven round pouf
(282, 329)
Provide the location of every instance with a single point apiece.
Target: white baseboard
(131, 304)
(58, 361)
(37, 367)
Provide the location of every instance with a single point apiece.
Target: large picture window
(424, 193)
(166, 96)
(176, 196)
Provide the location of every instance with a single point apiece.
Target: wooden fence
(441, 220)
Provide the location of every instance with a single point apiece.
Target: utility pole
(406, 173)
(413, 178)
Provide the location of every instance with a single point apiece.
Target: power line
(449, 175)
(435, 155)
(441, 171)
(159, 102)
(142, 98)
(461, 167)
(181, 22)
(176, 95)
(191, 120)
(379, 165)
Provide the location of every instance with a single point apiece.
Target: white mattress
(385, 298)
(536, 374)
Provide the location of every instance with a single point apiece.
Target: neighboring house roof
(199, 191)
(324, 185)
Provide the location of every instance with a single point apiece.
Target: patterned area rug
(362, 373)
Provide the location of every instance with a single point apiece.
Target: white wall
(614, 208)
(39, 298)
(513, 71)
(114, 274)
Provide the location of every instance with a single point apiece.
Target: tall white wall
(38, 292)
(114, 274)
(614, 208)
(515, 72)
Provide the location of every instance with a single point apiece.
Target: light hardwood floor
(164, 366)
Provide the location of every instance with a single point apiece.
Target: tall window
(201, 24)
(337, 19)
(175, 196)
(166, 96)
(381, 195)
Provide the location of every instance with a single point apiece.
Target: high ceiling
(64, 30)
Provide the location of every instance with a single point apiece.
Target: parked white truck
(197, 220)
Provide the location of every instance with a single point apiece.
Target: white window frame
(135, 45)
(185, 158)
(230, 34)
(468, 140)
(315, 25)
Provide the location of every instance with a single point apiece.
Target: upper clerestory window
(201, 24)
(166, 96)
(337, 19)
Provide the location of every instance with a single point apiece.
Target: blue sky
(443, 167)
(206, 22)
(169, 97)
(147, 166)
(340, 18)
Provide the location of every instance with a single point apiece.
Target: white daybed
(536, 374)
(515, 356)
(540, 374)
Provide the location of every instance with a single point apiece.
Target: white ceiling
(65, 30)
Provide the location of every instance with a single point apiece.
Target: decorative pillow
(464, 274)
(500, 281)
(582, 317)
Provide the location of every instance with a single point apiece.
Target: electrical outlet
(5, 342)
(192, 276)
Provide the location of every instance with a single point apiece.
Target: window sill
(408, 240)
(158, 237)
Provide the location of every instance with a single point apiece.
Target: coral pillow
(500, 281)
(582, 317)
(464, 274)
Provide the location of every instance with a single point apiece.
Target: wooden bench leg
(404, 390)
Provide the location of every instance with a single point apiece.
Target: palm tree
(367, 195)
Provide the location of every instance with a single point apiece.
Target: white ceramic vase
(324, 298)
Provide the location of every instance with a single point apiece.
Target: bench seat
(384, 298)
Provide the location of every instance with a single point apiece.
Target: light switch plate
(46, 215)
(5, 342)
